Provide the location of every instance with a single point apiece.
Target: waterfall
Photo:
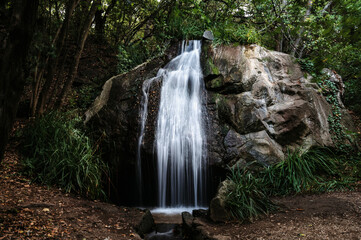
(180, 136)
(144, 113)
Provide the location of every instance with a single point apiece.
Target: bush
(57, 152)
(300, 172)
(247, 198)
(316, 170)
(138, 53)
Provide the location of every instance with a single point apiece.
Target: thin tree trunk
(12, 64)
(101, 19)
(299, 38)
(52, 63)
(326, 7)
(279, 43)
(300, 54)
(60, 78)
(80, 46)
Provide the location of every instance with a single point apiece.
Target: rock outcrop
(114, 121)
(259, 102)
(261, 105)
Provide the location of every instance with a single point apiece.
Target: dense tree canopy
(324, 33)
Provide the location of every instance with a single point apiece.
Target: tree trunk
(299, 38)
(100, 20)
(99, 25)
(52, 63)
(79, 49)
(300, 54)
(12, 64)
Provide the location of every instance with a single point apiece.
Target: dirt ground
(32, 211)
(325, 216)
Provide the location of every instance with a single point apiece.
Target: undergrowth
(314, 171)
(247, 198)
(57, 152)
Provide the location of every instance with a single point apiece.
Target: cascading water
(180, 136)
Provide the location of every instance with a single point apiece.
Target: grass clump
(316, 170)
(247, 198)
(57, 152)
(300, 172)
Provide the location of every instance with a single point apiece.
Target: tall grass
(316, 170)
(300, 172)
(247, 199)
(57, 152)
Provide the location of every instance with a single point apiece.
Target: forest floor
(334, 215)
(31, 211)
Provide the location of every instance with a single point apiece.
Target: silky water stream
(179, 141)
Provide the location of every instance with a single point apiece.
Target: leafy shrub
(85, 96)
(316, 170)
(299, 172)
(307, 65)
(59, 153)
(247, 198)
(138, 53)
(125, 62)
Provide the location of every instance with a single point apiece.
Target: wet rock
(252, 147)
(336, 78)
(187, 221)
(217, 208)
(145, 224)
(200, 213)
(114, 119)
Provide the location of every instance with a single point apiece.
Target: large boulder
(261, 105)
(217, 209)
(114, 122)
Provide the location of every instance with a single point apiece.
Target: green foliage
(82, 97)
(86, 94)
(125, 62)
(299, 172)
(352, 165)
(323, 34)
(352, 95)
(339, 133)
(316, 170)
(57, 152)
(183, 24)
(307, 65)
(247, 199)
(131, 56)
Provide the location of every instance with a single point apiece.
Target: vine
(338, 132)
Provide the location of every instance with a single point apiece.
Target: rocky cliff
(259, 102)
(260, 106)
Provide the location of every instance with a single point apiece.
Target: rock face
(114, 121)
(145, 224)
(259, 105)
(217, 210)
